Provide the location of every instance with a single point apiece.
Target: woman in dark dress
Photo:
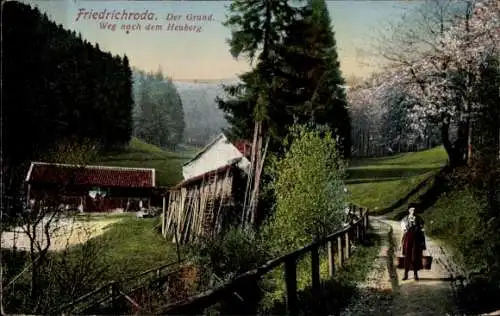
(413, 243)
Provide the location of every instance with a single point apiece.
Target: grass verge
(336, 292)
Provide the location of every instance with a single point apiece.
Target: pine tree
(257, 25)
(306, 83)
(51, 94)
(312, 87)
(158, 113)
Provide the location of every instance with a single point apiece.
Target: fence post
(366, 221)
(331, 258)
(291, 286)
(347, 246)
(362, 229)
(158, 274)
(358, 232)
(315, 277)
(365, 231)
(113, 291)
(340, 250)
(164, 217)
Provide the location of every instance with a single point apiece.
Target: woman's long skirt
(413, 248)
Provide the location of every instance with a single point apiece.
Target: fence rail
(114, 290)
(126, 290)
(338, 245)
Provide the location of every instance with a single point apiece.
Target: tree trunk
(34, 265)
(250, 179)
(445, 139)
(368, 143)
(457, 151)
(462, 143)
(469, 141)
(361, 151)
(256, 184)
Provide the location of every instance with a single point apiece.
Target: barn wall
(217, 156)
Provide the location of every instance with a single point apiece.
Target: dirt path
(375, 294)
(384, 292)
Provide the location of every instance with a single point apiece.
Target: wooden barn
(211, 194)
(90, 188)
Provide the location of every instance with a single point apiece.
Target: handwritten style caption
(130, 21)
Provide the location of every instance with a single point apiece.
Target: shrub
(308, 187)
(460, 218)
(457, 219)
(236, 251)
(232, 253)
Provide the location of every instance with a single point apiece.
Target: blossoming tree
(442, 84)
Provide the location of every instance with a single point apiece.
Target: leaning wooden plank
(173, 212)
(189, 215)
(184, 192)
(203, 205)
(173, 204)
(195, 216)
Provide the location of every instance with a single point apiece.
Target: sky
(202, 53)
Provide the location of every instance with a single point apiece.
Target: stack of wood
(197, 210)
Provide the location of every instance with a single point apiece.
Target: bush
(226, 256)
(309, 190)
(457, 219)
(236, 251)
(460, 218)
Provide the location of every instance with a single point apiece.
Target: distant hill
(215, 81)
(202, 116)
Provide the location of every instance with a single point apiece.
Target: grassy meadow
(385, 183)
(131, 245)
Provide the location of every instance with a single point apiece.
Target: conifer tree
(257, 26)
(158, 113)
(312, 87)
(302, 77)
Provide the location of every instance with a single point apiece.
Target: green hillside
(139, 154)
(380, 183)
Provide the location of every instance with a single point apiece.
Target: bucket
(427, 262)
(401, 263)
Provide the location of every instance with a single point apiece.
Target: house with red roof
(90, 188)
(212, 193)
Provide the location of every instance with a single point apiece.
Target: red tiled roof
(103, 176)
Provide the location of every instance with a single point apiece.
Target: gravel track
(384, 292)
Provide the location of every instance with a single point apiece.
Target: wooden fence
(337, 244)
(109, 295)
